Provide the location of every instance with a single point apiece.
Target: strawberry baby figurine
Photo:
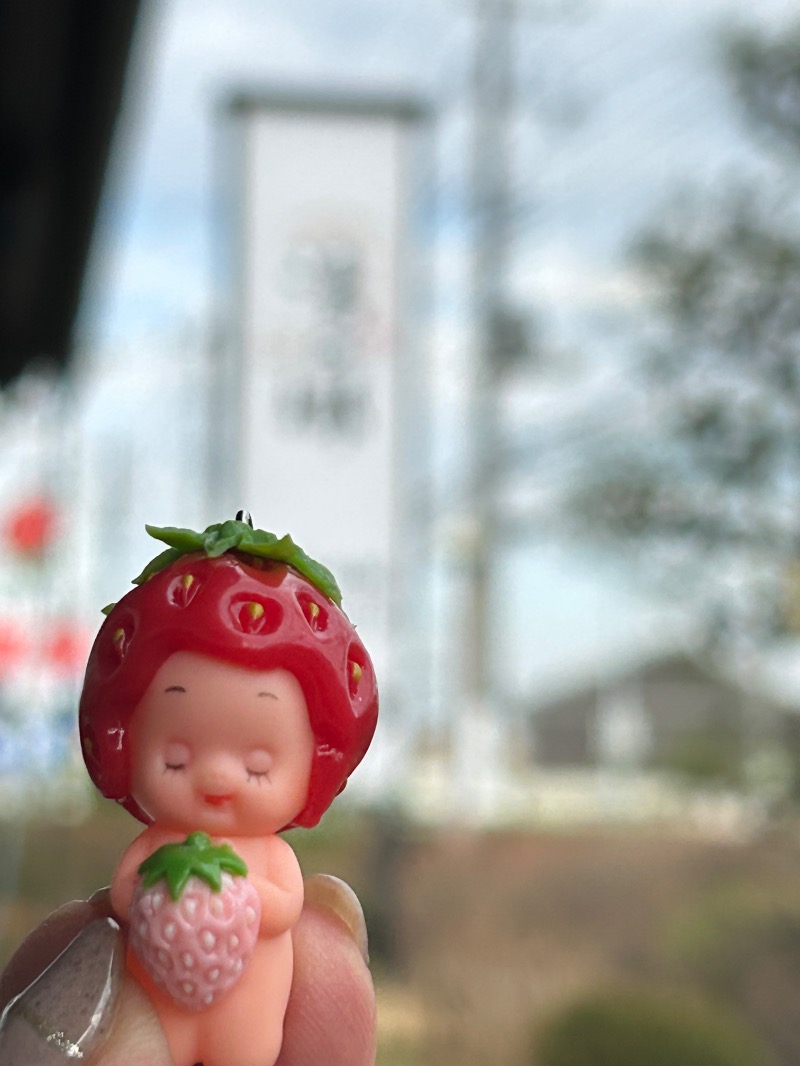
(227, 697)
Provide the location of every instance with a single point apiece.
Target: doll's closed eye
(176, 757)
(258, 764)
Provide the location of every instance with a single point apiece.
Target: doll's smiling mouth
(218, 801)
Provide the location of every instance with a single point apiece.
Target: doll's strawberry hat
(247, 597)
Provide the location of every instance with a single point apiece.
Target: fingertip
(42, 945)
(331, 1012)
(332, 895)
(100, 902)
(69, 1009)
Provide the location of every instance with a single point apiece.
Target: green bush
(633, 1028)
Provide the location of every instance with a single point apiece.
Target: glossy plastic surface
(258, 617)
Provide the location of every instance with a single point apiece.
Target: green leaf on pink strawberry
(196, 856)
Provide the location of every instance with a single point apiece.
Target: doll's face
(221, 748)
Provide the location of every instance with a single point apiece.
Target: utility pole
(492, 214)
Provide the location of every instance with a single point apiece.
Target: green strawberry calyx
(240, 537)
(196, 856)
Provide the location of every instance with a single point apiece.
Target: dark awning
(62, 68)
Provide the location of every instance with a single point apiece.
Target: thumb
(136, 1037)
(68, 998)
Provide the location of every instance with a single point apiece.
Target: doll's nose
(216, 777)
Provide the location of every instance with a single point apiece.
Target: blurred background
(492, 305)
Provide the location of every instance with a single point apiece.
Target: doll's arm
(280, 889)
(125, 876)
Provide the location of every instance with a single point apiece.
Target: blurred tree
(713, 490)
(765, 73)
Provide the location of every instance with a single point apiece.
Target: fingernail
(329, 893)
(67, 1011)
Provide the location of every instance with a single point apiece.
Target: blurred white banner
(319, 394)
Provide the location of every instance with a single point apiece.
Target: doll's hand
(331, 983)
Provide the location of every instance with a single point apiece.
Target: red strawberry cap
(248, 609)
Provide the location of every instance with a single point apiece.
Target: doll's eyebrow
(271, 695)
(175, 688)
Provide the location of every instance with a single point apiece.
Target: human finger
(331, 1013)
(66, 996)
(67, 1010)
(46, 942)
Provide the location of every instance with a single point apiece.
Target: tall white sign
(320, 281)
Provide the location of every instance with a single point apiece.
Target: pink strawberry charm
(194, 919)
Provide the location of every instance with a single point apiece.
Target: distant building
(672, 741)
(653, 716)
